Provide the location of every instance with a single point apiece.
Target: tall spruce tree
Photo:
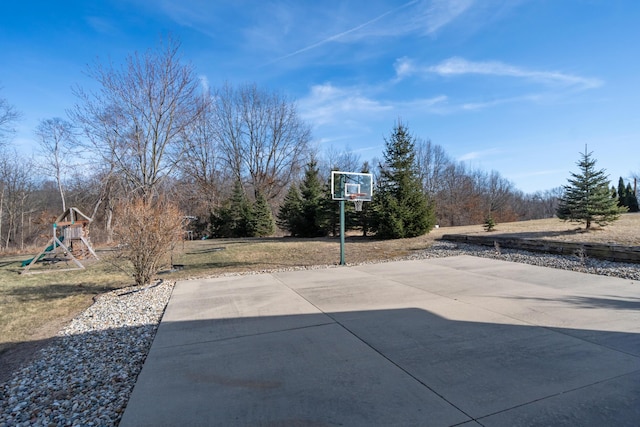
(289, 216)
(235, 218)
(262, 219)
(400, 207)
(626, 196)
(587, 198)
(621, 193)
(631, 201)
(331, 210)
(313, 220)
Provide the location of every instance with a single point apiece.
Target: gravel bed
(85, 377)
(577, 262)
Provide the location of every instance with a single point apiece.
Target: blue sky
(514, 86)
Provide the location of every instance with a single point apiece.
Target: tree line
(626, 196)
(238, 158)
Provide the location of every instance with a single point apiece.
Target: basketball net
(357, 203)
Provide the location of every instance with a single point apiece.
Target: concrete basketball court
(440, 342)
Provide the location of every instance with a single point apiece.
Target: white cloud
(470, 106)
(423, 104)
(441, 12)
(474, 155)
(404, 67)
(204, 83)
(347, 32)
(459, 66)
(327, 104)
(101, 25)
(422, 17)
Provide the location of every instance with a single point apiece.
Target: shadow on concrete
(612, 302)
(405, 367)
(380, 367)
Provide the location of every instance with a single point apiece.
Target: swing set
(69, 242)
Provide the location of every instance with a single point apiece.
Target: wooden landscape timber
(605, 251)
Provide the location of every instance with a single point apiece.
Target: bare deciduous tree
(137, 120)
(203, 174)
(344, 160)
(432, 162)
(498, 194)
(8, 116)
(57, 140)
(262, 139)
(16, 185)
(96, 193)
(454, 190)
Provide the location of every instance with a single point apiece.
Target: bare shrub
(147, 231)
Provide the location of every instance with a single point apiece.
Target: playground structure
(69, 242)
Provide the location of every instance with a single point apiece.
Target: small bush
(489, 223)
(147, 230)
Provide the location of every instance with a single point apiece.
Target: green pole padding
(342, 232)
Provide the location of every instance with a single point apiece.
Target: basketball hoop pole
(354, 187)
(342, 232)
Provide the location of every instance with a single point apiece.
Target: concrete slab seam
(617, 350)
(582, 387)
(251, 335)
(471, 418)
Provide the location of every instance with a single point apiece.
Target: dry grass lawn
(34, 307)
(625, 231)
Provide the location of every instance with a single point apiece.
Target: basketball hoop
(356, 187)
(357, 202)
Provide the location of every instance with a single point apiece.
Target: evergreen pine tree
(234, 219)
(362, 219)
(262, 220)
(331, 211)
(400, 207)
(220, 221)
(241, 212)
(290, 213)
(622, 201)
(313, 221)
(489, 223)
(587, 198)
(631, 201)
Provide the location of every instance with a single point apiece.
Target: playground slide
(42, 255)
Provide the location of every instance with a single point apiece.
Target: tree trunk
(109, 223)
(9, 227)
(64, 204)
